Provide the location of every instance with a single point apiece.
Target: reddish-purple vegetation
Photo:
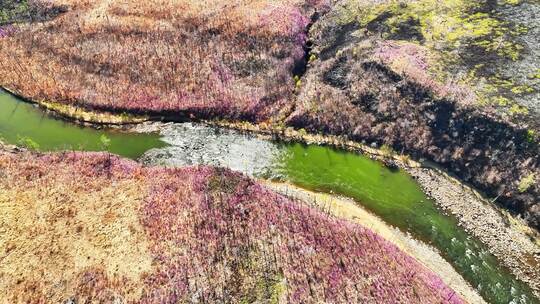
(217, 236)
(6, 31)
(223, 59)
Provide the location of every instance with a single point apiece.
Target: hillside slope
(92, 227)
(387, 74)
(228, 59)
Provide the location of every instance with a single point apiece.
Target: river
(391, 194)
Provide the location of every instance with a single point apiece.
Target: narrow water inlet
(21, 121)
(392, 195)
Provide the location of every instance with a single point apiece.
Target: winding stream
(392, 195)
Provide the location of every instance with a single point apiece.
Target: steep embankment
(426, 78)
(92, 227)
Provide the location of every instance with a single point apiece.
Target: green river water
(396, 198)
(20, 121)
(392, 195)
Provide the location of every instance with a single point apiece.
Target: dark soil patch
(337, 76)
(338, 36)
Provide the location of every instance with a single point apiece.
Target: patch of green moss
(277, 289)
(11, 10)
(297, 82)
(27, 143)
(516, 109)
(522, 89)
(268, 290)
(531, 136)
(526, 182)
(535, 75)
(512, 2)
(446, 24)
(501, 101)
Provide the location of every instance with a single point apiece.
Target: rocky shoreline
(508, 238)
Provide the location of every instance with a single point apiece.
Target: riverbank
(346, 208)
(321, 169)
(506, 236)
(520, 267)
(515, 244)
(80, 115)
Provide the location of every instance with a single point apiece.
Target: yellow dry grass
(48, 237)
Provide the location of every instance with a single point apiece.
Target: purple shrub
(6, 31)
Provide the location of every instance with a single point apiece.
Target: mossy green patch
(470, 39)
(527, 182)
(531, 136)
(535, 75)
(516, 109)
(446, 24)
(11, 10)
(268, 289)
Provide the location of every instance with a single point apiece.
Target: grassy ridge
(386, 74)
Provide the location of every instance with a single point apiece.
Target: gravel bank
(510, 240)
